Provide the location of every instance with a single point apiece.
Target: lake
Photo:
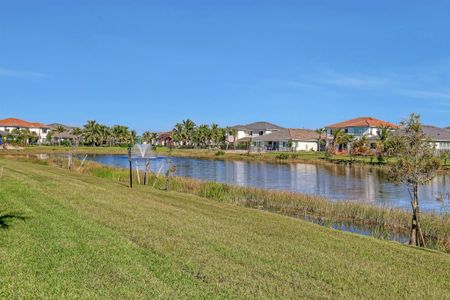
(336, 182)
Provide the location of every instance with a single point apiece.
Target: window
(358, 130)
(250, 132)
(261, 132)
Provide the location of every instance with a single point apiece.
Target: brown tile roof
(13, 122)
(289, 134)
(362, 122)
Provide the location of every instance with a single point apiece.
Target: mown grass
(89, 237)
(384, 222)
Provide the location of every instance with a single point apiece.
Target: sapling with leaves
(415, 166)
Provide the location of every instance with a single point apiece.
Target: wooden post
(147, 171)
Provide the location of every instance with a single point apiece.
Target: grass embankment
(90, 237)
(381, 222)
(271, 157)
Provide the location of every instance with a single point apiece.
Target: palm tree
(177, 133)
(92, 133)
(188, 128)
(384, 134)
(320, 131)
(132, 137)
(217, 134)
(119, 135)
(60, 129)
(106, 136)
(232, 132)
(77, 132)
(340, 138)
(150, 137)
(202, 135)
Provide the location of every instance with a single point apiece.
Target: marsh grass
(383, 221)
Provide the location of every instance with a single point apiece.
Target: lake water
(337, 182)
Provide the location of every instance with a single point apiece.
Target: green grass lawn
(90, 237)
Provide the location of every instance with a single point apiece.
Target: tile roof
(362, 122)
(289, 134)
(13, 122)
(436, 133)
(258, 126)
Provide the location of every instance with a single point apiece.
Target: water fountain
(142, 152)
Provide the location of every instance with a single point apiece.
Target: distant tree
(119, 135)
(232, 132)
(92, 133)
(178, 133)
(384, 133)
(60, 129)
(339, 138)
(320, 131)
(77, 132)
(415, 166)
(444, 156)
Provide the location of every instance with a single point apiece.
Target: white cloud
(4, 72)
(426, 94)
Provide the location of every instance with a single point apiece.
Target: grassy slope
(93, 237)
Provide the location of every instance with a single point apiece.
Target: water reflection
(336, 182)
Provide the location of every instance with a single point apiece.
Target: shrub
(219, 153)
(282, 156)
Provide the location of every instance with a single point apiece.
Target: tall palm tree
(320, 131)
(120, 135)
(178, 133)
(188, 128)
(60, 129)
(232, 132)
(77, 132)
(384, 134)
(340, 138)
(92, 133)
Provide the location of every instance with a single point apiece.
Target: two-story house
(358, 127)
(246, 132)
(41, 130)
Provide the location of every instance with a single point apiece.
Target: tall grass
(310, 207)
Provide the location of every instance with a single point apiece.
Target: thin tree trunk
(416, 234)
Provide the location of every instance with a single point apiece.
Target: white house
(439, 136)
(253, 130)
(359, 127)
(41, 130)
(288, 139)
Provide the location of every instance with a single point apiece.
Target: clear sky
(149, 64)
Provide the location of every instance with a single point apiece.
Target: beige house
(288, 139)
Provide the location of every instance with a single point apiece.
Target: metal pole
(131, 167)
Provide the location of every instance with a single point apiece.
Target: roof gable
(13, 122)
(258, 126)
(362, 122)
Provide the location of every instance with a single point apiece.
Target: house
(287, 139)
(165, 139)
(363, 126)
(252, 130)
(439, 136)
(41, 130)
(63, 136)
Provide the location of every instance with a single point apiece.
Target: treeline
(95, 134)
(190, 135)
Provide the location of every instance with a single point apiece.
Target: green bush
(282, 156)
(219, 153)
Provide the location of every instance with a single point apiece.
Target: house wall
(41, 132)
(305, 146)
(442, 146)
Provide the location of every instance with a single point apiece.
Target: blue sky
(150, 64)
